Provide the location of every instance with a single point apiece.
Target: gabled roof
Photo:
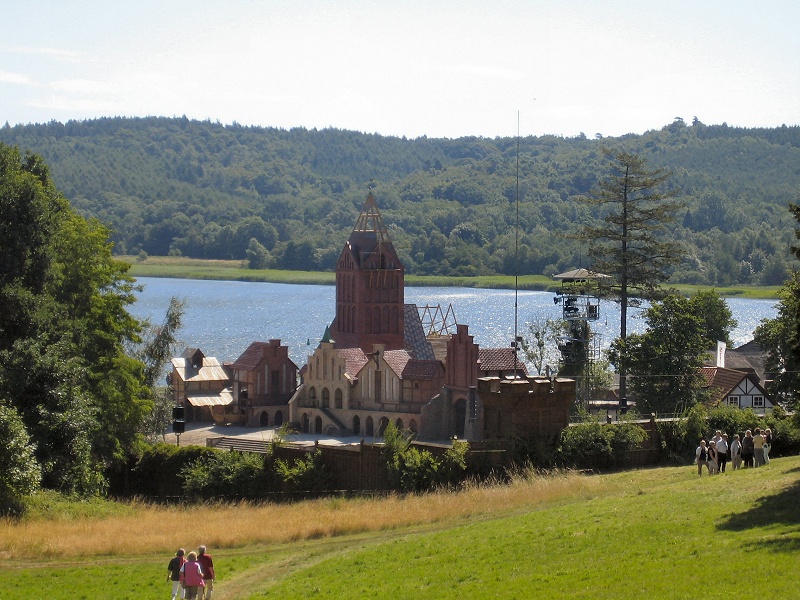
(253, 355)
(355, 359)
(722, 381)
(250, 358)
(211, 370)
(397, 360)
(499, 359)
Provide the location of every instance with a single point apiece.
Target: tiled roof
(397, 360)
(421, 369)
(250, 358)
(355, 359)
(499, 359)
(415, 341)
(721, 381)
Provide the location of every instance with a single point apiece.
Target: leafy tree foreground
(72, 401)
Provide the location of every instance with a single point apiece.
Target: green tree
(718, 321)
(629, 243)
(63, 330)
(159, 345)
(540, 345)
(19, 471)
(780, 339)
(665, 360)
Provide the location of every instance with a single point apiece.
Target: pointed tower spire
(370, 221)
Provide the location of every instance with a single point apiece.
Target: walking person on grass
(207, 564)
(174, 573)
(192, 577)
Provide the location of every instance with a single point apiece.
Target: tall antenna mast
(515, 345)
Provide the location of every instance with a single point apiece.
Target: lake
(223, 317)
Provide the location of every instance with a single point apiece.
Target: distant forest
(288, 199)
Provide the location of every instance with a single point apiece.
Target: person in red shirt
(207, 564)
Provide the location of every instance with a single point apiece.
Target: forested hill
(289, 198)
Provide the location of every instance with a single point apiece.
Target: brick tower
(369, 287)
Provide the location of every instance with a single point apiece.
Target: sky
(406, 68)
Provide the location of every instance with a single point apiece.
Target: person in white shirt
(722, 452)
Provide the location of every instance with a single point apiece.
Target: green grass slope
(655, 533)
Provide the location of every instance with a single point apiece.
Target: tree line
(288, 198)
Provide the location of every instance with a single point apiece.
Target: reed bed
(145, 528)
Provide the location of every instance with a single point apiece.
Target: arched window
(399, 424)
(326, 398)
(337, 398)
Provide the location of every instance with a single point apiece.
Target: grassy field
(654, 533)
(236, 270)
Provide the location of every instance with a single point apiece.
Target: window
(758, 401)
(734, 401)
(326, 398)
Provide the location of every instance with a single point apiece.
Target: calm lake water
(224, 317)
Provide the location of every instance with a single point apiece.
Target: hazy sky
(413, 68)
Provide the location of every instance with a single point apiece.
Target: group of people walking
(192, 575)
(750, 451)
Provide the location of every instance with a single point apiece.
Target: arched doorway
(318, 424)
(412, 426)
(382, 425)
(278, 420)
(369, 428)
(326, 398)
(399, 423)
(263, 420)
(305, 423)
(356, 425)
(337, 398)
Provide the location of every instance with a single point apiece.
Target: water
(223, 317)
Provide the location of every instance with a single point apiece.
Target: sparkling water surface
(223, 317)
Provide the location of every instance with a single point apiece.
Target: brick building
(378, 364)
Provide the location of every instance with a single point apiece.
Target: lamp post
(178, 422)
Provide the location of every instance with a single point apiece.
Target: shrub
(307, 474)
(19, 472)
(158, 471)
(411, 469)
(230, 475)
(586, 445)
(598, 446)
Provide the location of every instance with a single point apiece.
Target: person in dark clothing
(174, 573)
(748, 449)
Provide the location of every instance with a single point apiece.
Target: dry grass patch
(146, 528)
